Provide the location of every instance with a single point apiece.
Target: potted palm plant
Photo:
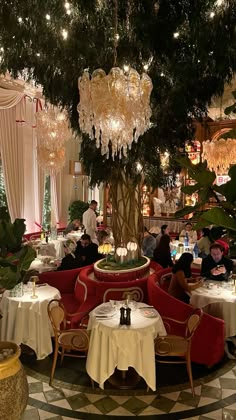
(15, 257)
(15, 260)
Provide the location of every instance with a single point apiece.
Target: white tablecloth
(174, 225)
(41, 267)
(25, 320)
(75, 236)
(54, 248)
(120, 346)
(217, 301)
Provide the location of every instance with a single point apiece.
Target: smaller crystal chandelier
(114, 108)
(52, 133)
(219, 153)
(51, 160)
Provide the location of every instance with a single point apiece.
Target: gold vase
(13, 384)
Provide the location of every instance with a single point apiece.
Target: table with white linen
(75, 236)
(177, 248)
(42, 267)
(120, 346)
(217, 299)
(25, 320)
(54, 248)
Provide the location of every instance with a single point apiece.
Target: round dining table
(114, 346)
(25, 319)
(218, 299)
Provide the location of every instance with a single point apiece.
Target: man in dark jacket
(215, 266)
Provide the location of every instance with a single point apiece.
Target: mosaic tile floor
(215, 399)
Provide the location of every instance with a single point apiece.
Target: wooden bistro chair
(177, 345)
(67, 341)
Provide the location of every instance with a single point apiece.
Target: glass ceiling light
(219, 153)
(52, 133)
(114, 108)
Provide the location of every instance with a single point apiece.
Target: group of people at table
(214, 266)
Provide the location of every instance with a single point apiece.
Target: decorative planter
(13, 384)
(126, 274)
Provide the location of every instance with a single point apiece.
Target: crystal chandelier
(51, 160)
(52, 133)
(114, 108)
(219, 153)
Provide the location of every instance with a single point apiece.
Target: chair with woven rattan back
(68, 342)
(179, 345)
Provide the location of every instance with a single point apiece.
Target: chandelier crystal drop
(114, 108)
(51, 161)
(219, 154)
(52, 133)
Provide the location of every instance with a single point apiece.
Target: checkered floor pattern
(215, 399)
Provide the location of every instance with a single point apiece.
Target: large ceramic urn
(13, 382)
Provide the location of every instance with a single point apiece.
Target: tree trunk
(127, 219)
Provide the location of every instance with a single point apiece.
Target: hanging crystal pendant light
(114, 108)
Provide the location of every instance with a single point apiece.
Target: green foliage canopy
(186, 69)
(224, 212)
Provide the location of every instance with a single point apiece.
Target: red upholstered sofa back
(64, 281)
(111, 290)
(208, 341)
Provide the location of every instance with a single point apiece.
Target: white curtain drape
(11, 144)
(24, 181)
(9, 98)
(55, 186)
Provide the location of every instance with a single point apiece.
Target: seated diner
(188, 233)
(215, 266)
(182, 281)
(84, 253)
(162, 254)
(73, 226)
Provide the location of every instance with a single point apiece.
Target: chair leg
(62, 354)
(189, 369)
(54, 363)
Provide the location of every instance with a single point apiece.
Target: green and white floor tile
(215, 399)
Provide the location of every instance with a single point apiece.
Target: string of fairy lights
(70, 12)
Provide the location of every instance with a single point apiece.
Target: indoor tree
(188, 48)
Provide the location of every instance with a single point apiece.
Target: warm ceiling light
(219, 153)
(114, 108)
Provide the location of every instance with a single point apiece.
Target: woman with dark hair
(162, 252)
(181, 280)
(164, 231)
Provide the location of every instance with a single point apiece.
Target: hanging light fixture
(51, 160)
(52, 133)
(114, 108)
(220, 153)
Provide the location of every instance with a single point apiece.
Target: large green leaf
(190, 189)
(217, 216)
(204, 178)
(26, 256)
(186, 210)
(200, 224)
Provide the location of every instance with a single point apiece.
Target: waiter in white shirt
(89, 220)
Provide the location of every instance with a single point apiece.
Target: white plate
(149, 312)
(105, 310)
